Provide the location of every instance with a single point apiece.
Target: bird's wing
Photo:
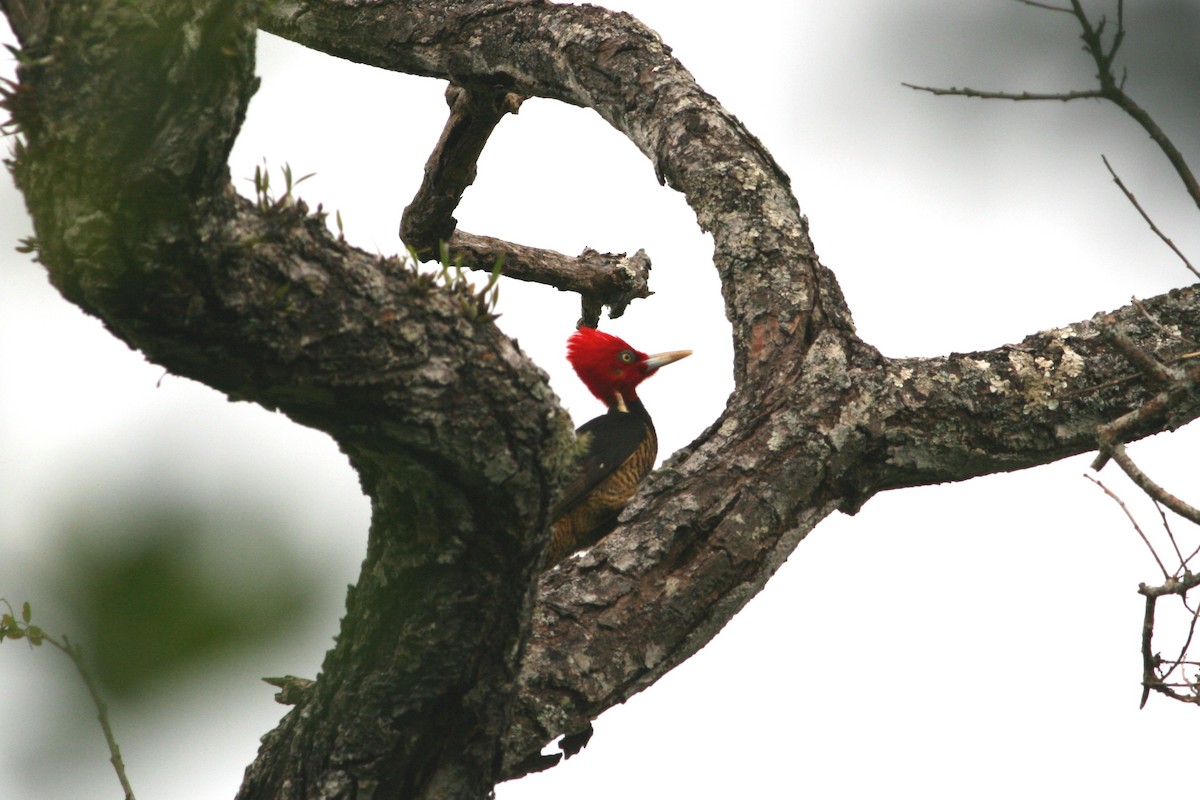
(610, 439)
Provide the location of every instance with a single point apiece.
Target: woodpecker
(619, 447)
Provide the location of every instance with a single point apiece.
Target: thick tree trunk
(127, 113)
(455, 663)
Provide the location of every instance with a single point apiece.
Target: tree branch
(1178, 582)
(424, 694)
(1045, 6)
(1132, 521)
(588, 56)
(127, 113)
(1153, 677)
(1152, 489)
(13, 628)
(1129, 195)
(1176, 387)
(1110, 89)
(955, 91)
(474, 113)
(1113, 90)
(601, 279)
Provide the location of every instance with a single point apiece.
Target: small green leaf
(26, 612)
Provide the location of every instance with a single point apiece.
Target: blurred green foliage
(150, 592)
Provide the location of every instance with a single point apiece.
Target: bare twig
(1045, 6)
(1126, 104)
(1168, 332)
(1166, 523)
(1179, 586)
(1180, 660)
(1093, 39)
(1126, 426)
(1145, 216)
(1155, 669)
(1110, 89)
(12, 627)
(1149, 661)
(1150, 366)
(1154, 675)
(1113, 91)
(1133, 521)
(75, 653)
(1088, 94)
(1143, 482)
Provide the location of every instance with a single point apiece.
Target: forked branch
(1111, 88)
(1175, 382)
(1158, 673)
(1174, 377)
(600, 279)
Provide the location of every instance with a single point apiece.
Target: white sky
(970, 640)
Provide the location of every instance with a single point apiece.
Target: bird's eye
(626, 356)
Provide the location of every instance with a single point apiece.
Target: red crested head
(610, 368)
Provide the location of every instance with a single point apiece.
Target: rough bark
(428, 224)
(127, 112)
(455, 664)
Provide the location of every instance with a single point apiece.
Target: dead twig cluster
(1102, 47)
(1168, 676)
(1174, 377)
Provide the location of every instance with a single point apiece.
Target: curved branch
(1152, 489)
(818, 420)
(474, 113)
(1030, 403)
(265, 305)
(775, 289)
(127, 113)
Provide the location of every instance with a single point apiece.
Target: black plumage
(619, 451)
